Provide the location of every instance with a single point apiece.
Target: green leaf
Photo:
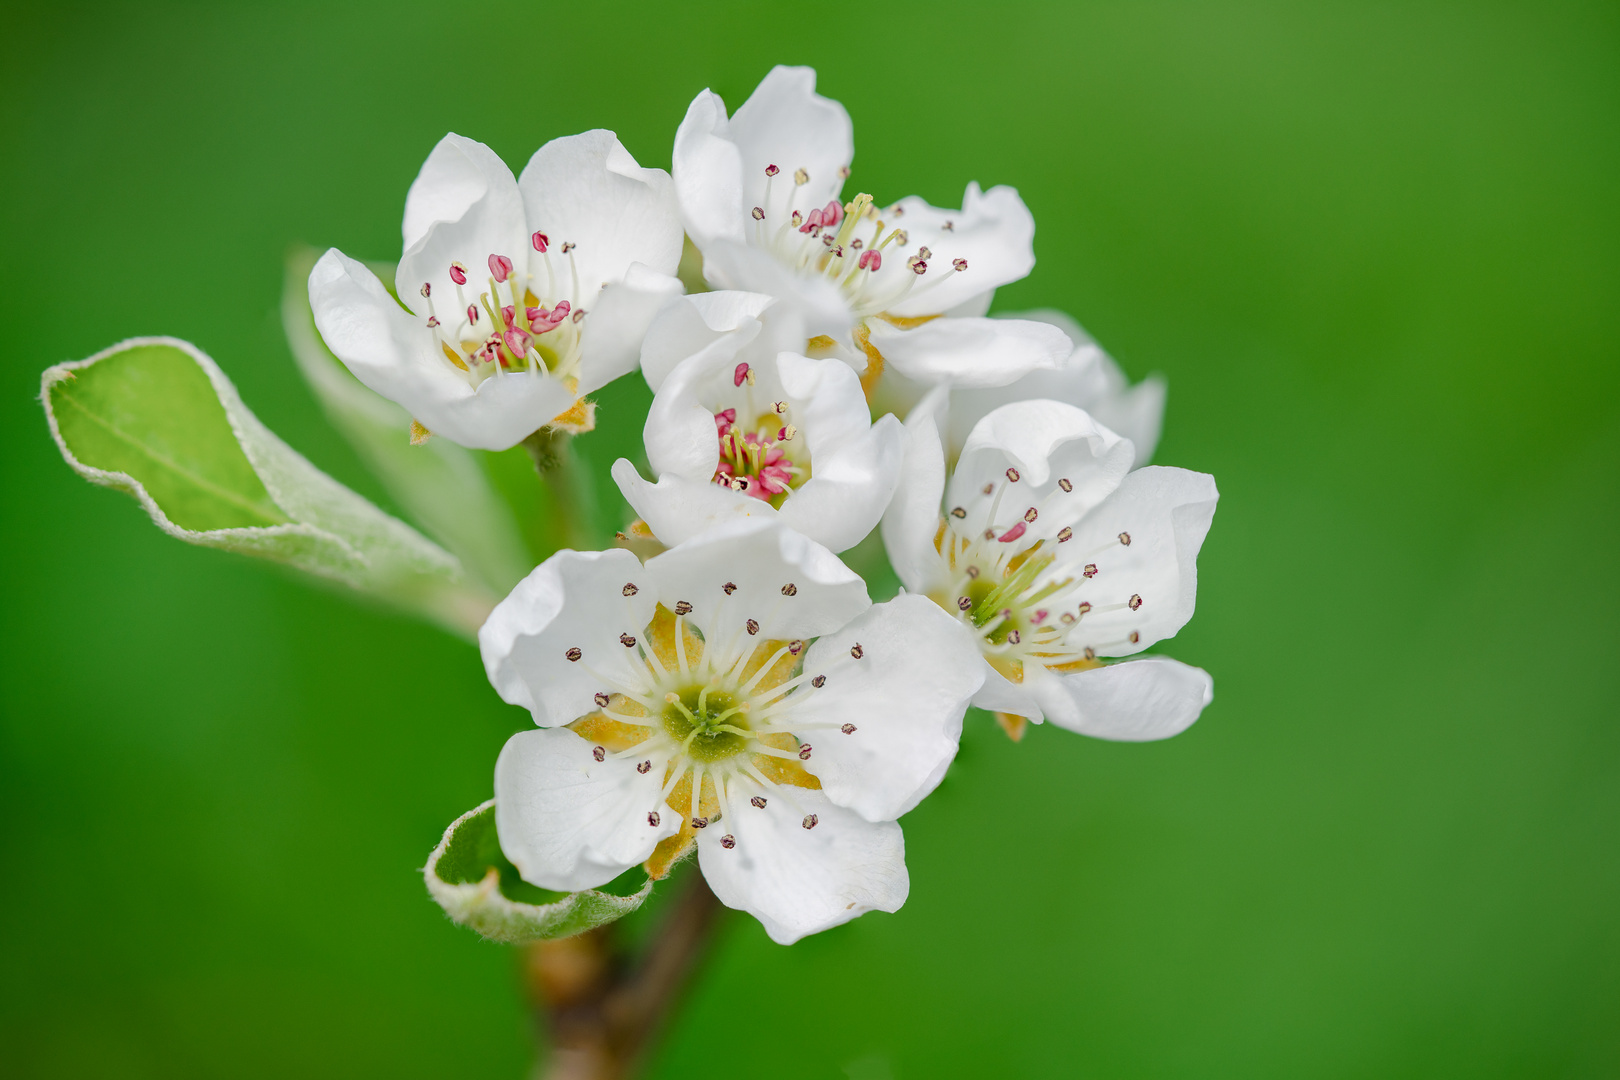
(156, 417)
(479, 887)
(441, 486)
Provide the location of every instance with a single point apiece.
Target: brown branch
(602, 1012)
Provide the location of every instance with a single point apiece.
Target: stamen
(630, 588)
(500, 267)
(540, 241)
(728, 841)
(682, 607)
(1065, 485)
(758, 801)
(652, 819)
(1134, 603)
(458, 273)
(848, 729)
(809, 821)
(602, 700)
(599, 753)
(573, 654)
(627, 641)
(790, 589)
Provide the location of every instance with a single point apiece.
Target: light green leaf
(440, 485)
(156, 417)
(479, 888)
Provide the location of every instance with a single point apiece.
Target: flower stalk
(576, 516)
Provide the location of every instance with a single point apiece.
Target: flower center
(515, 322)
(845, 244)
(710, 723)
(763, 462)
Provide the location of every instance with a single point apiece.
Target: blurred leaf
(157, 417)
(480, 888)
(442, 486)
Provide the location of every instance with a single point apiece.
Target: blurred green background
(1372, 246)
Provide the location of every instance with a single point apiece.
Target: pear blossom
(903, 286)
(1088, 378)
(516, 297)
(738, 693)
(1057, 560)
(746, 426)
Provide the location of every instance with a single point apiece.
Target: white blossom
(516, 296)
(738, 692)
(745, 426)
(902, 286)
(1056, 559)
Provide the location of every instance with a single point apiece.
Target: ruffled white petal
(786, 123)
(571, 601)
(760, 559)
(682, 330)
(587, 190)
(614, 329)
(568, 821)
(905, 696)
(1045, 441)
(464, 206)
(799, 881)
(399, 358)
(971, 352)
(1167, 513)
(1154, 697)
(677, 508)
(707, 168)
(728, 265)
(994, 231)
(845, 498)
(912, 517)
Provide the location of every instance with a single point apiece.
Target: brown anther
(987, 489)
(1135, 637)
(919, 268)
(757, 802)
(1031, 514)
(599, 753)
(1090, 570)
(427, 289)
(958, 512)
(753, 627)
(857, 652)
(630, 589)
(1090, 653)
(728, 841)
(819, 681)
(602, 700)
(627, 641)
(1013, 475)
(804, 752)
(809, 821)
(1085, 606)
(1065, 485)
(771, 170)
(644, 768)
(579, 313)
(573, 654)
(759, 213)
(728, 588)
(855, 244)
(682, 608)
(568, 245)
(973, 571)
(989, 534)
(964, 603)
(924, 254)
(1065, 535)
(652, 819)
(959, 265)
(700, 823)
(800, 177)
(1013, 638)
(1125, 538)
(1134, 602)
(795, 647)
(790, 589)
(848, 729)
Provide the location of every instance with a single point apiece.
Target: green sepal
(443, 487)
(156, 417)
(479, 888)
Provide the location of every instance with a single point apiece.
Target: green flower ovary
(710, 724)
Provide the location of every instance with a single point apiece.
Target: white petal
(1045, 441)
(680, 433)
(761, 559)
(851, 486)
(678, 508)
(728, 265)
(994, 231)
(1167, 513)
(1000, 694)
(971, 352)
(905, 696)
(913, 518)
(568, 821)
(1154, 697)
(799, 881)
(828, 405)
(399, 358)
(587, 190)
(573, 600)
(1089, 379)
(786, 123)
(707, 169)
(685, 329)
(463, 207)
(612, 336)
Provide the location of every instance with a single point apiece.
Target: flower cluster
(834, 371)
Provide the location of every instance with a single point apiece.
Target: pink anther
(517, 341)
(540, 241)
(871, 259)
(458, 273)
(1013, 533)
(739, 375)
(832, 214)
(472, 314)
(500, 267)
